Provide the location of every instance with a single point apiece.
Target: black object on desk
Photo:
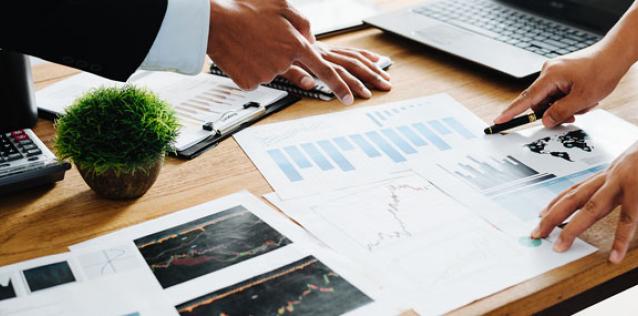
(17, 101)
(25, 162)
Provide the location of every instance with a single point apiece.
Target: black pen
(516, 122)
(525, 119)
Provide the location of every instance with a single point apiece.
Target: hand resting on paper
(585, 78)
(595, 199)
(355, 66)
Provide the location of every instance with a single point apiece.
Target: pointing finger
(569, 203)
(539, 91)
(326, 73)
(598, 206)
(300, 78)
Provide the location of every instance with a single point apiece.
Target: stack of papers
(414, 191)
(233, 256)
(405, 206)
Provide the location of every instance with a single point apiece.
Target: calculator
(25, 162)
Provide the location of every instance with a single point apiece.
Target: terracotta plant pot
(124, 186)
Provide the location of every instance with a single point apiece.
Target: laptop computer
(514, 37)
(330, 17)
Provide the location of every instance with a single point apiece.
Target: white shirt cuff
(180, 45)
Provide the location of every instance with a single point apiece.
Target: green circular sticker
(529, 242)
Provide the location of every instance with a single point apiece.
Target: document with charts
(523, 171)
(438, 252)
(335, 151)
(237, 256)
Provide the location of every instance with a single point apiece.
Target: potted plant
(117, 138)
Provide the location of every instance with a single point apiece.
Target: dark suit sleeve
(110, 38)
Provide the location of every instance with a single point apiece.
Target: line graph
(108, 261)
(394, 211)
(203, 246)
(304, 287)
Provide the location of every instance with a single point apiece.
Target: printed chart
(203, 246)
(108, 261)
(395, 212)
(306, 287)
(492, 175)
(527, 202)
(355, 147)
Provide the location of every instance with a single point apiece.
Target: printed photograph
(206, 245)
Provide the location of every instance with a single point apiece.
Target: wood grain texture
(47, 220)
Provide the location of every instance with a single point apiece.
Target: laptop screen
(599, 15)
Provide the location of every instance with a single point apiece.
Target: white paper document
(523, 171)
(235, 256)
(196, 99)
(437, 252)
(334, 151)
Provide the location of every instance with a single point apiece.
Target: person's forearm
(622, 40)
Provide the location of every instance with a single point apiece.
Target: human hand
(255, 40)
(355, 66)
(584, 78)
(596, 198)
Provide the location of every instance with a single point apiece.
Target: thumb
(563, 109)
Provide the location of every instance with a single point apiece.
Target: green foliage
(121, 129)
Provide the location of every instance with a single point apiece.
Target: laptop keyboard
(511, 26)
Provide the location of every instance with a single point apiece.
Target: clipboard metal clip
(226, 118)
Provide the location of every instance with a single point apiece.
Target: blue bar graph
(343, 143)
(398, 141)
(298, 157)
(432, 137)
(343, 153)
(439, 127)
(412, 136)
(335, 155)
(385, 147)
(458, 127)
(365, 146)
(374, 119)
(317, 157)
(285, 165)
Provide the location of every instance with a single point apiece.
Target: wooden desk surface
(46, 221)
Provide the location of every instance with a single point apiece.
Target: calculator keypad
(18, 152)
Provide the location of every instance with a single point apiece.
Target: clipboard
(213, 140)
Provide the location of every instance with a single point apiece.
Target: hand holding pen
(578, 82)
(582, 79)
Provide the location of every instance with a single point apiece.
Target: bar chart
(339, 150)
(526, 202)
(392, 144)
(493, 176)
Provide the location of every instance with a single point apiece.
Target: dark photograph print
(305, 288)
(206, 245)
